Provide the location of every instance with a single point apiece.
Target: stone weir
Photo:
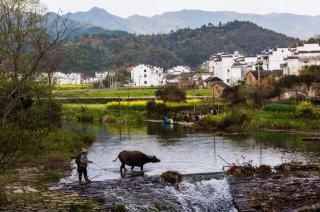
(136, 194)
(197, 192)
(150, 193)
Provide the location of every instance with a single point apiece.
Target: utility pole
(259, 62)
(259, 73)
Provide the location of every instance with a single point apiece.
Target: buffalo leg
(132, 167)
(122, 167)
(141, 167)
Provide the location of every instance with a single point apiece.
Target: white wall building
(277, 58)
(101, 75)
(306, 55)
(147, 76)
(178, 70)
(222, 66)
(66, 79)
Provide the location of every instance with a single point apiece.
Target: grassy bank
(124, 111)
(24, 184)
(274, 117)
(100, 113)
(133, 92)
(54, 153)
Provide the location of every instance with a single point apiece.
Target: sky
(126, 8)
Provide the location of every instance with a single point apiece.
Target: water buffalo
(135, 158)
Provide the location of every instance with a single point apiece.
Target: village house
(306, 55)
(101, 75)
(185, 81)
(252, 77)
(199, 78)
(66, 79)
(231, 68)
(178, 70)
(218, 88)
(276, 58)
(147, 75)
(221, 65)
(208, 83)
(174, 75)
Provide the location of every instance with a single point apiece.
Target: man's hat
(84, 150)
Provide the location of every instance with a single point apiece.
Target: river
(190, 151)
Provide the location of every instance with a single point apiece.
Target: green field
(133, 92)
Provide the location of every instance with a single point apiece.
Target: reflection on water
(187, 150)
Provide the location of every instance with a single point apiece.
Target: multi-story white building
(277, 58)
(306, 55)
(226, 67)
(147, 75)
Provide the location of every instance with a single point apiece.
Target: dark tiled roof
(213, 79)
(221, 83)
(314, 51)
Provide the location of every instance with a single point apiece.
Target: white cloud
(125, 8)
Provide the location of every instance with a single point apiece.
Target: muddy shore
(292, 187)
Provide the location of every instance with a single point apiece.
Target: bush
(304, 109)
(151, 105)
(235, 118)
(287, 82)
(3, 198)
(50, 176)
(279, 108)
(222, 121)
(69, 142)
(171, 93)
(118, 208)
(80, 207)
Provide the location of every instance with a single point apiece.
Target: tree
(28, 38)
(171, 93)
(24, 43)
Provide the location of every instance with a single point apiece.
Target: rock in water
(172, 177)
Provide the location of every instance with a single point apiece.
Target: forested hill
(119, 50)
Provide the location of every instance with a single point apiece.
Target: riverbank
(244, 120)
(25, 185)
(287, 189)
(125, 111)
(291, 187)
(240, 120)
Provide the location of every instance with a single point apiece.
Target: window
(228, 81)
(145, 76)
(145, 70)
(228, 70)
(145, 82)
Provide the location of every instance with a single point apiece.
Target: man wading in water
(82, 163)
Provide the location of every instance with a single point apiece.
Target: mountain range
(119, 50)
(299, 26)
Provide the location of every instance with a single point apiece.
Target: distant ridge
(119, 50)
(299, 26)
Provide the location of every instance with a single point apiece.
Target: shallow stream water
(190, 151)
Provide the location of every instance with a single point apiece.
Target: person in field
(82, 164)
